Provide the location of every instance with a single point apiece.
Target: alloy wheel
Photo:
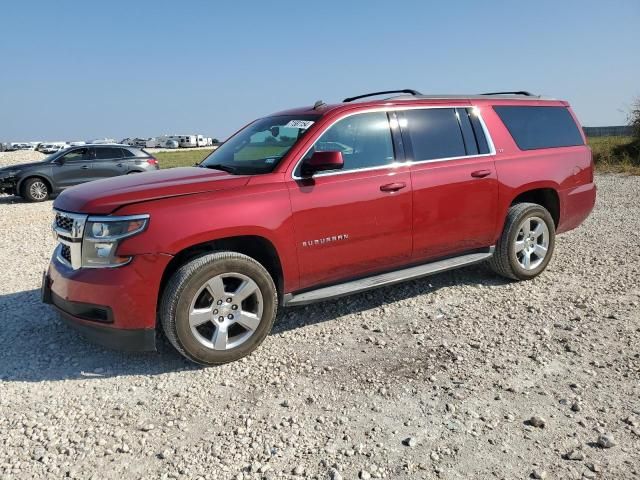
(531, 243)
(38, 190)
(226, 311)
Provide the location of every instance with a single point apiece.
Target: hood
(21, 166)
(105, 196)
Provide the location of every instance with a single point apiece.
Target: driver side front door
(357, 220)
(73, 168)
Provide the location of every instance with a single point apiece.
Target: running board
(384, 279)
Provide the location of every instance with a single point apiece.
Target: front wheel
(218, 307)
(526, 244)
(35, 190)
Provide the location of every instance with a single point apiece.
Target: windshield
(260, 146)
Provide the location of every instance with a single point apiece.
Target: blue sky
(74, 70)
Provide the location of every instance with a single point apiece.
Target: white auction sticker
(302, 124)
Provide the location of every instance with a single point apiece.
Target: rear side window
(481, 139)
(470, 142)
(108, 153)
(126, 153)
(540, 127)
(434, 133)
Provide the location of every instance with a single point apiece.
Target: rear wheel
(526, 244)
(218, 307)
(35, 190)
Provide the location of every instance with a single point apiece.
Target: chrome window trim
(395, 108)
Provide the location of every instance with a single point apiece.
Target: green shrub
(616, 154)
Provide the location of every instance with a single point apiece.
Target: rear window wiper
(220, 166)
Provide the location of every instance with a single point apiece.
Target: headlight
(102, 235)
(8, 173)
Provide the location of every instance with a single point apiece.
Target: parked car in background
(314, 203)
(23, 146)
(49, 148)
(187, 141)
(71, 166)
(172, 144)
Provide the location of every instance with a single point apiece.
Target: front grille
(63, 222)
(65, 252)
(68, 229)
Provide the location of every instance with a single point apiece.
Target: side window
(364, 140)
(483, 145)
(470, 143)
(126, 153)
(434, 133)
(540, 127)
(108, 153)
(77, 155)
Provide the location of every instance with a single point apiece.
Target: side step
(384, 279)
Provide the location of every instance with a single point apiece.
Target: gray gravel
(437, 378)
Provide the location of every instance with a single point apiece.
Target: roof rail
(519, 92)
(406, 90)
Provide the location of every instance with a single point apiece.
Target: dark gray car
(36, 181)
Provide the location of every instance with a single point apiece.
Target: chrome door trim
(490, 144)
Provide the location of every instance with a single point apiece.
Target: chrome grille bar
(68, 229)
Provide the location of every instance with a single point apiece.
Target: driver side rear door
(108, 162)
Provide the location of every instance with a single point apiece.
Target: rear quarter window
(540, 127)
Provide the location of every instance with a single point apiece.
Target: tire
(194, 318)
(35, 190)
(514, 246)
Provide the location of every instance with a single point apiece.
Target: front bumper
(114, 307)
(8, 185)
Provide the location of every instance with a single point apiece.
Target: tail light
(152, 161)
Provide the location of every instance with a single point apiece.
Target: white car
(51, 148)
(171, 144)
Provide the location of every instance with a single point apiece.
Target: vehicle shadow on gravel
(12, 199)
(36, 346)
(303, 316)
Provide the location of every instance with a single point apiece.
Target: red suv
(315, 203)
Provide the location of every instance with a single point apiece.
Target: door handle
(118, 165)
(85, 167)
(392, 187)
(481, 173)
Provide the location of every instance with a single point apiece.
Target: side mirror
(322, 161)
(59, 161)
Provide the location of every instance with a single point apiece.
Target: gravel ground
(20, 156)
(460, 375)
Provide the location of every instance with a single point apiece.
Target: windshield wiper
(220, 166)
